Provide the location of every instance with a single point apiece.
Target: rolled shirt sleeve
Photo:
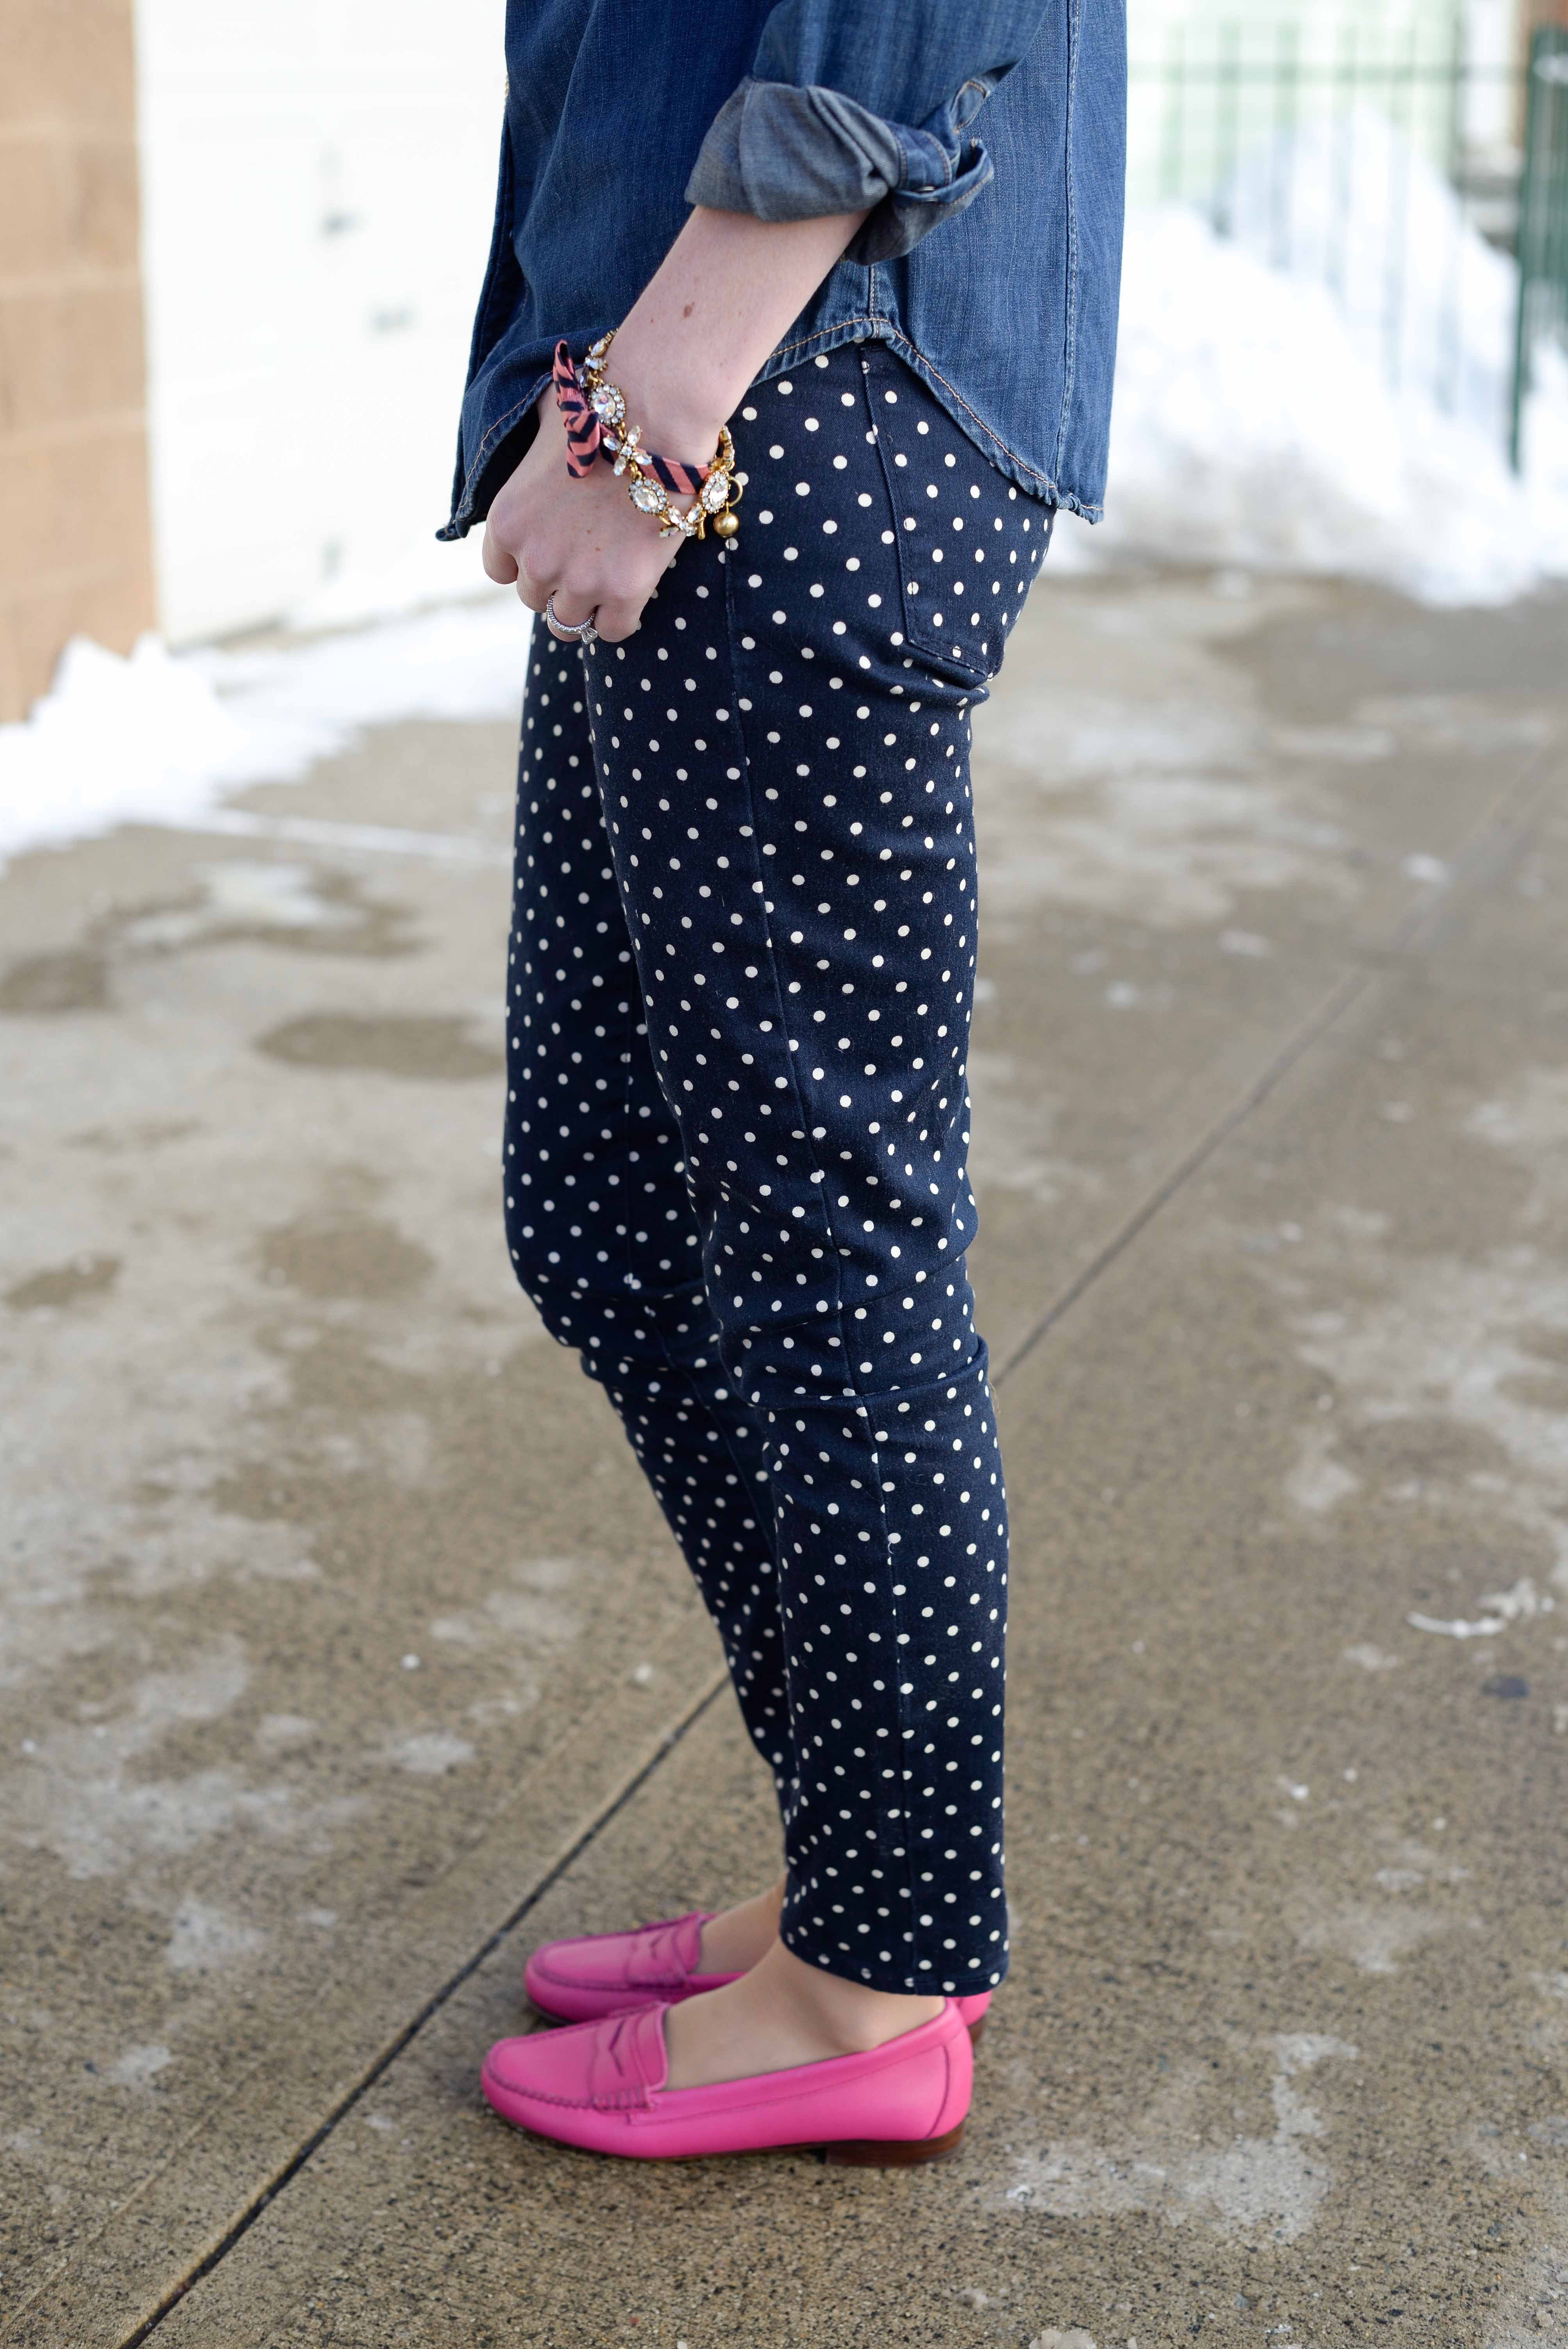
(864, 106)
(784, 153)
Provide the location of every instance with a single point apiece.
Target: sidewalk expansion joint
(245, 2218)
(1494, 844)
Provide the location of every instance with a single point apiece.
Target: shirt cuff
(784, 153)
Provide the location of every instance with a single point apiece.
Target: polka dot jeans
(741, 973)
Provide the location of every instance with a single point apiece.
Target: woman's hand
(708, 319)
(582, 540)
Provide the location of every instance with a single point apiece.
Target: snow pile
(1345, 203)
(1254, 424)
(161, 737)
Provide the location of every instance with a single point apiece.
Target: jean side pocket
(969, 543)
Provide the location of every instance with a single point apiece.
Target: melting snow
(158, 738)
(1253, 2185)
(1253, 424)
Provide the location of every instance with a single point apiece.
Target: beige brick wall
(75, 530)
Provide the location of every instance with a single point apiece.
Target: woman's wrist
(726, 290)
(672, 394)
(724, 296)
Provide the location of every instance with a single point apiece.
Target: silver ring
(584, 632)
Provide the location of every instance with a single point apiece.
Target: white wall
(318, 180)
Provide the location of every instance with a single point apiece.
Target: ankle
(852, 2016)
(732, 1941)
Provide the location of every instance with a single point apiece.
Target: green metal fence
(1542, 241)
(1424, 188)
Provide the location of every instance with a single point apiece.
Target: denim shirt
(984, 138)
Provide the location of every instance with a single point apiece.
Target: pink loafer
(602, 2086)
(973, 2009)
(606, 1973)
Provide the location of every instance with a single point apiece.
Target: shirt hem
(871, 327)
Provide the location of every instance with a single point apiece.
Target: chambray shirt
(987, 137)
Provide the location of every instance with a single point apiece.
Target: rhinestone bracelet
(596, 426)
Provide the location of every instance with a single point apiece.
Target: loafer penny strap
(629, 2060)
(662, 1956)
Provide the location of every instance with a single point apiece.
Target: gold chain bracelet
(654, 481)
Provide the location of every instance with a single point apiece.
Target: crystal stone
(715, 491)
(647, 497)
(607, 403)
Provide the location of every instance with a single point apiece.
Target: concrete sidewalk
(346, 1654)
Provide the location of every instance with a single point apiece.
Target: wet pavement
(345, 1655)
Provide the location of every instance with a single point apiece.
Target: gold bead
(725, 525)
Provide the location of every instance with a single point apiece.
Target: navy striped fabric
(584, 435)
(581, 424)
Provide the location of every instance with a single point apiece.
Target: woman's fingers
(537, 573)
(533, 592)
(571, 607)
(499, 564)
(619, 617)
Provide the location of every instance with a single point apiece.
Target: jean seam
(771, 948)
(481, 341)
(630, 1276)
(498, 431)
(1069, 354)
(915, 634)
(860, 1407)
(647, 1305)
(903, 1772)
